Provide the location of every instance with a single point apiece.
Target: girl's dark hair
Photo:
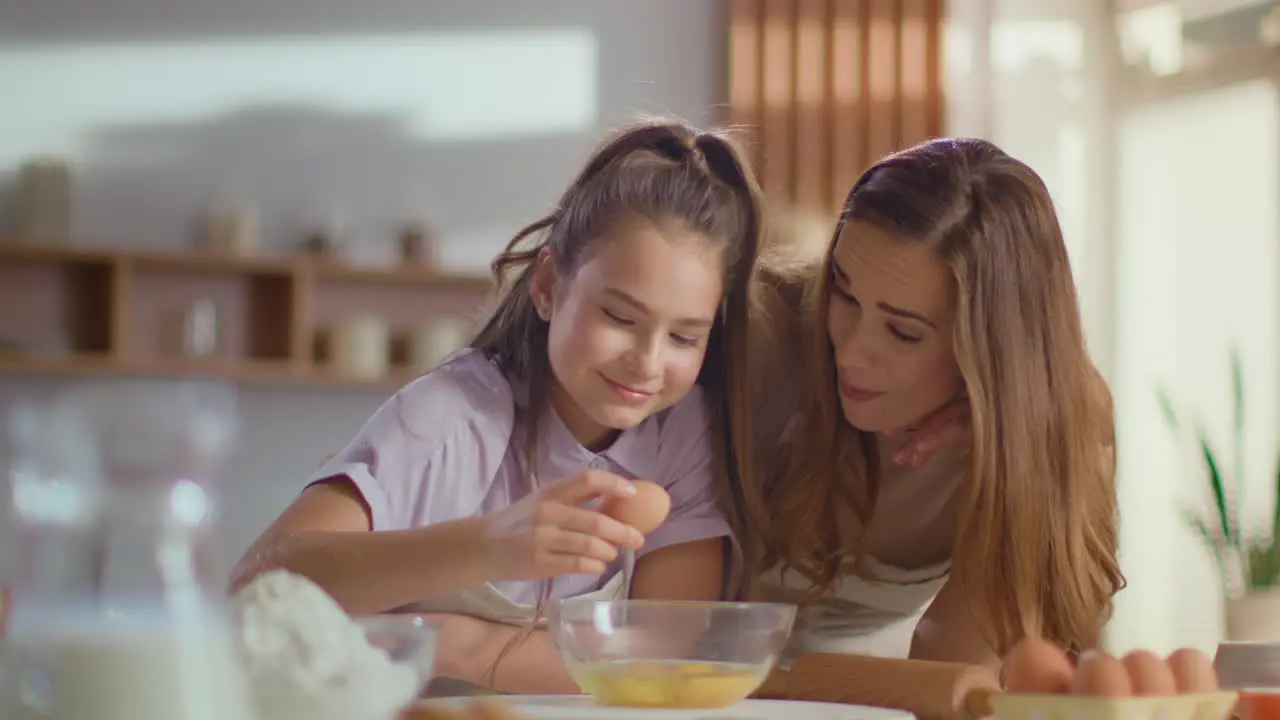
(666, 172)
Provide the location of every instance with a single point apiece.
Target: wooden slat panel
(830, 86)
(882, 70)
(849, 97)
(913, 60)
(934, 106)
(777, 139)
(745, 62)
(812, 121)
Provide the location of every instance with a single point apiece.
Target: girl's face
(890, 315)
(628, 330)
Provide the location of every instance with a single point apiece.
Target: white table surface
(573, 707)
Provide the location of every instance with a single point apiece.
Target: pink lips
(629, 395)
(853, 393)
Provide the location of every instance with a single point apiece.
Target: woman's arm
(685, 571)
(948, 631)
(469, 647)
(324, 535)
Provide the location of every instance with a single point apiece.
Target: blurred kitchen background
(277, 192)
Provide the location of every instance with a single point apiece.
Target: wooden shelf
(248, 373)
(400, 276)
(74, 311)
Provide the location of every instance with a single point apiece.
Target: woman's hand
(949, 424)
(548, 534)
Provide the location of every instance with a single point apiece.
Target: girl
(946, 288)
(463, 495)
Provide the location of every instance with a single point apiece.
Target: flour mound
(300, 647)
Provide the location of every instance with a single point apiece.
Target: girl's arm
(685, 571)
(948, 631)
(324, 535)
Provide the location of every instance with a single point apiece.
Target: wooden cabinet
(67, 310)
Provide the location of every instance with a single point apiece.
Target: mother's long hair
(1037, 534)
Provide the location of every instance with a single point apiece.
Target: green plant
(1247, 560)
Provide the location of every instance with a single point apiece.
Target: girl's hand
(949, 424)
(548, 534)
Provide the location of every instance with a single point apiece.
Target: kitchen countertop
(574, 707)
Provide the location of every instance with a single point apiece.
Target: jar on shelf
(42, 202)
(230, 229)
(360, 347)
(436, 339)
(417, 245)
(191, 330)
(322, 232)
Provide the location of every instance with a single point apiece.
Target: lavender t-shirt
(450, 445)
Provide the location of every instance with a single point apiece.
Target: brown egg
(1036, 666)
(1148, 674)
(1192, 671)
(1100, 675)
(644, 511)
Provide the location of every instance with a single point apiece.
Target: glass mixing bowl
(670, 654)
(409, 643)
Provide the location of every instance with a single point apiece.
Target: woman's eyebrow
(891, 309)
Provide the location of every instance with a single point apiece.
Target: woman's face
(890, 314)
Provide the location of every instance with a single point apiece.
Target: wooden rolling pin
(927, 689)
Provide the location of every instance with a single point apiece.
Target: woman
(946, 285)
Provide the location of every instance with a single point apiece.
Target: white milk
(146, 674)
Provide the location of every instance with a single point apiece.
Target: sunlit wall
(1200, 271)
(304, 128)
(1168, 200)
(470, 116)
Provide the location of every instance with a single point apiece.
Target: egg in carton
(1258, 703)
(1041, 683)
